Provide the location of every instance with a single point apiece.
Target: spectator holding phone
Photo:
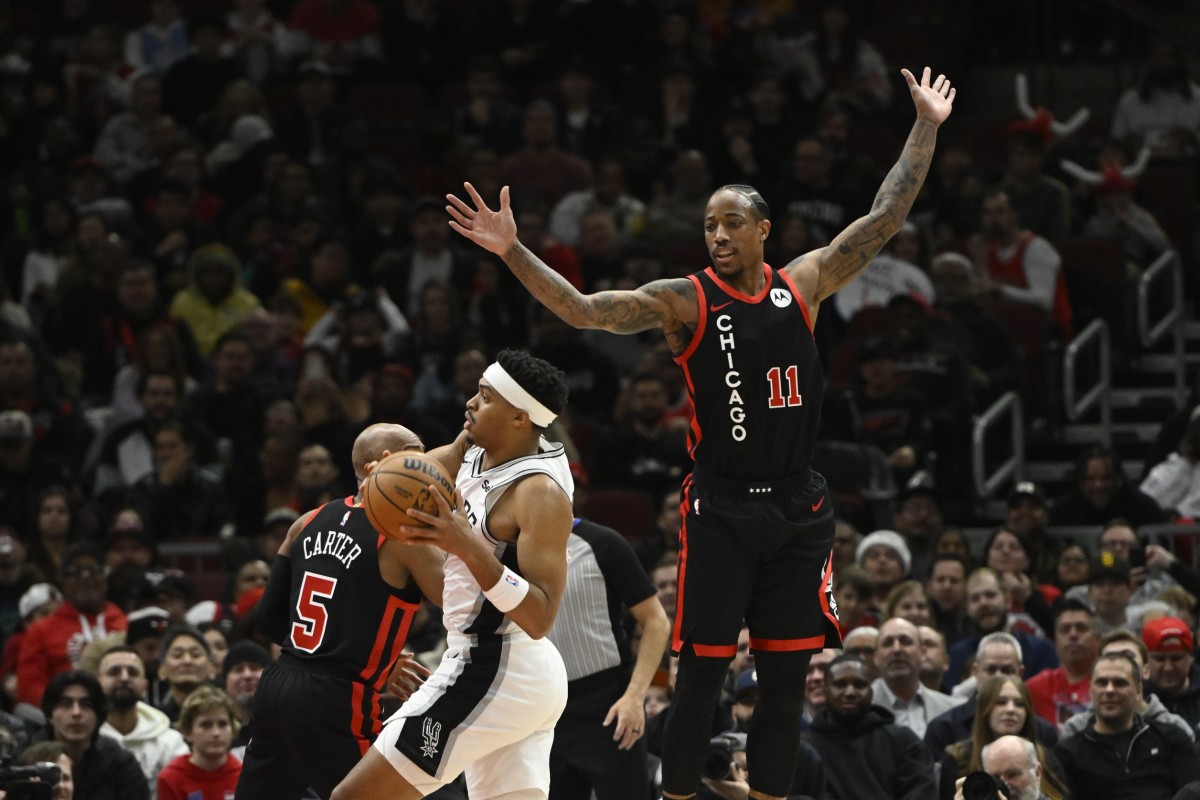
(1152, 568)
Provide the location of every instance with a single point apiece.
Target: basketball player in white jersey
(490, 707)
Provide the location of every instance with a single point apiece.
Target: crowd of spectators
(223, 252)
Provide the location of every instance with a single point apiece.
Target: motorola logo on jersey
(782, 298)
(733, 379)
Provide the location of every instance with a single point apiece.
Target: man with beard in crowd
(137, 726)
(987, 607)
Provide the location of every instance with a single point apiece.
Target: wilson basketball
(401, 482)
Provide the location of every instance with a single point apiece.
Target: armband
(508, 592)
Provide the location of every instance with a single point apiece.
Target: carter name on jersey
(331, 543)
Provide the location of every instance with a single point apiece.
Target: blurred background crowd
(224, 251)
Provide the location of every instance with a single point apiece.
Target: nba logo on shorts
(431, 732)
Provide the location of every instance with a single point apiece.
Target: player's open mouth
(722, 255)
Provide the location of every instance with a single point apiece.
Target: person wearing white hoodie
(139, 727)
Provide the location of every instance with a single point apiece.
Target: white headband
(512, 391)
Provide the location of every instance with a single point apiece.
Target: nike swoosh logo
(817, 505)
(715, 307)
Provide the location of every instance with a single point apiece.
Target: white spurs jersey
(464, 608)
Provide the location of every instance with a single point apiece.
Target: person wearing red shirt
(55, 644)
(1060, 693)
(208, 721)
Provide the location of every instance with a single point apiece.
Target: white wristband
(508, 592)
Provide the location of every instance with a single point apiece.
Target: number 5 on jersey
(777, 400)
(309, 632)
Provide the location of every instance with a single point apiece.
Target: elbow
(537, 627)
(536, 631)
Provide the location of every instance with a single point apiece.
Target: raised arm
(822, 272)
(662, 304)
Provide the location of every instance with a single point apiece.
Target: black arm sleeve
(273, 614)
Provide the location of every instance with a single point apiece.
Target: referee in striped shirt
(598, 742)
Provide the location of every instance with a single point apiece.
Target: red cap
(1167, 634)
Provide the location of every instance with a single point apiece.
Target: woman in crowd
(1004, 708)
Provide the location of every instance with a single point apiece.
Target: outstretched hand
(933, 102)
(495, 231)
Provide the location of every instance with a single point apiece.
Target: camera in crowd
(32, 782)
(981, 785)
(718, 764)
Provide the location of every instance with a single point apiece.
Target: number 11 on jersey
(777, 399)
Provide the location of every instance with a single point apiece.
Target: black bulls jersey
(345, 620)
(754, 380)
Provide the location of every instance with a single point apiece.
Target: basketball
(401, 482)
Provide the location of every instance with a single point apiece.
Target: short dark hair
(846, 658)
(544, 381)
(1124, 657)
(64, 680)
(1125, 635)
(947, 555)
(1073, 604)
(120, 648)
(178, 631)
(83, 549)
(760, 205)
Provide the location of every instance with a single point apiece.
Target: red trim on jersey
(701, 321)
(739, 295)
(715, 650)
(787, 645)
(676, 633)
(350, 501)
(371, 672)
(696, 433)
(826, 580)
(799, 298)
(307, 518)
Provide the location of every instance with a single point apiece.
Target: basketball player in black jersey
(340, 601)
(758, 530)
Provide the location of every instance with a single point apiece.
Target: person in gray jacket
(1149, 707)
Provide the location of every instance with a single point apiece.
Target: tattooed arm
(822, 272)
(666, 304)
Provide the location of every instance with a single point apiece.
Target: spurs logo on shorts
(432, 732)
